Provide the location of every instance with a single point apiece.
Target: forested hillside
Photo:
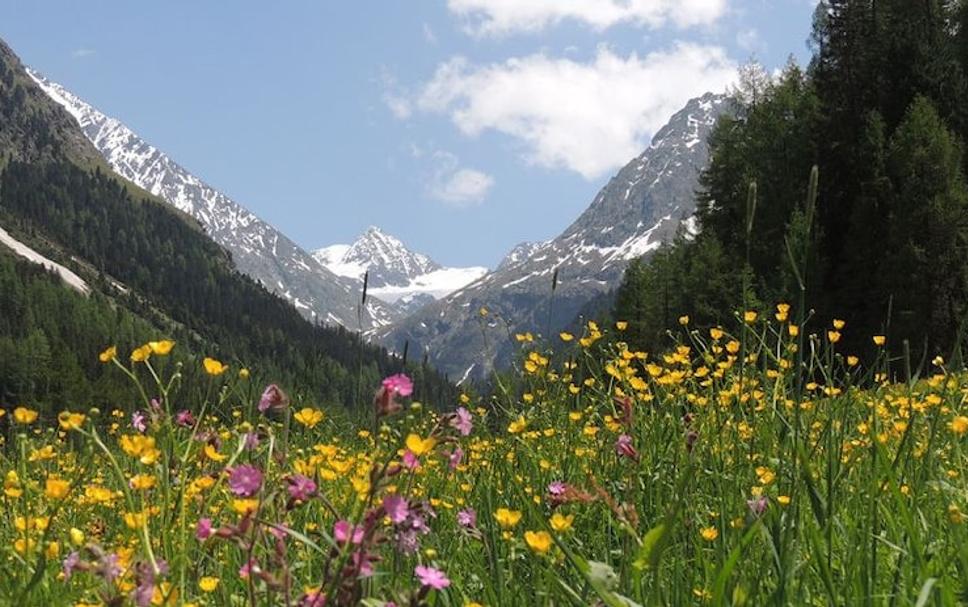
(881, 113)
(156, 273)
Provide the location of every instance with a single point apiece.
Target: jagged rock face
(641, 207)
(257, 248)
(387, 259)
(519, 253)
(396, 274)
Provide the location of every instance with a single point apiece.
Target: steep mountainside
(142, 270)
(257, 248)
(396, 274)
(640, 208)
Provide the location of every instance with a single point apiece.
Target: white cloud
(587, 117)
(749, 39)
(394, 99)
(399, 106)
(456, 185)
(81, 53)
(496, 17)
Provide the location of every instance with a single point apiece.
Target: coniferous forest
(881, 243)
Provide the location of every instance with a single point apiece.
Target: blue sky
(461, 126)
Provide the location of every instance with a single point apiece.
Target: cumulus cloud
(589, 117)
(455, 185)
(497, 17)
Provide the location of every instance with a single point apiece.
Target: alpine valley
(414, 303)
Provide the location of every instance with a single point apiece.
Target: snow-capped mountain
(257, 248)
(643, 206)
(519, 253)
(396, 274)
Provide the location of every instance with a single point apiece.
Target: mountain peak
(383, 255)
(396, 273)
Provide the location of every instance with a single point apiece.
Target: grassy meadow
(755, 464)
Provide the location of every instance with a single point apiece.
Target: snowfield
(73, 280)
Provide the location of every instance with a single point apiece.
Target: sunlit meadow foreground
(743, 467)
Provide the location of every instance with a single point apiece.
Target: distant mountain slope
(151, 272)
(396, 274)
(257, 248)
(641, 207)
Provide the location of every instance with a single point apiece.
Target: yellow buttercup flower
(709, 534)
(749, 316)
(212, 454)
(208, 584)
(161, 348)
(782, 311)
(77, 536)
(141, 447)
(684, 320)
(309, 417)
(507, 518)
(560, 522)
(621, 325)
(108, 355)
(214, 367)
(517, 425)
(879, 340)
(140, 355)
(70, 421)
(142, 481)
(56, 489)
(959, 425)
(419, 446)
(539, 541)
(245, 506)
(23, 415)
(11, 485)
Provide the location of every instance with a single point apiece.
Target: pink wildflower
(273, 398)
(203, 529)
(758, 506)
(399, 384)
(245, 480)
(410, 460)
(301, 487)
(138, 421)
(623, 446)
(462, 421)
(455, 458)
(431, 578)
(397, 508)
(185, 419)
(467, 518)
(344, 532)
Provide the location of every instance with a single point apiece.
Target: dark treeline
(881, 112)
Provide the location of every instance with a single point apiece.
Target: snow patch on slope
(70, 278)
